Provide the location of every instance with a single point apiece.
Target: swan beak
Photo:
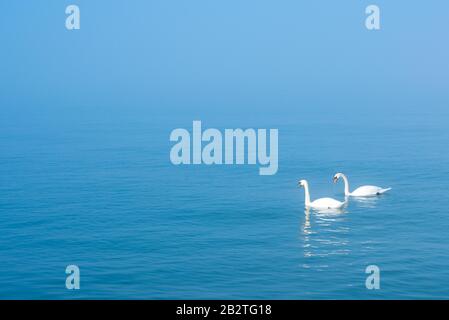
(335, 179)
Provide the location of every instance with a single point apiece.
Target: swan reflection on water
(366, 202)
(324, 234)
(323, 216)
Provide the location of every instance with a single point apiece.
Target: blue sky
(173, 54)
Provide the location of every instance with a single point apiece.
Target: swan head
(302, 183)
(336, 177)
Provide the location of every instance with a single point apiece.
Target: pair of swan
(329, 203)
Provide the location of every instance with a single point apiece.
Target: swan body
(368, 191)
(322, 203)
(326, 203)
(364, 191)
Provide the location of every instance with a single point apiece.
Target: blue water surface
(101, 193)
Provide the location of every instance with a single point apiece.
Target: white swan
(364, 191)
(322, 203)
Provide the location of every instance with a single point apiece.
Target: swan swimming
(364, 191)
(322, 203)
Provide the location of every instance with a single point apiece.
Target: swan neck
(306, 194)
(345, 180)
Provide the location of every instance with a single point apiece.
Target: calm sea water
(97, 189)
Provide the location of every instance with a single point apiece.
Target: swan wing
(384, 190)
(326, 203)
(366, 191)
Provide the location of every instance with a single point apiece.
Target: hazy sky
(170, 54)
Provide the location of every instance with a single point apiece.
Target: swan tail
(384, 190)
